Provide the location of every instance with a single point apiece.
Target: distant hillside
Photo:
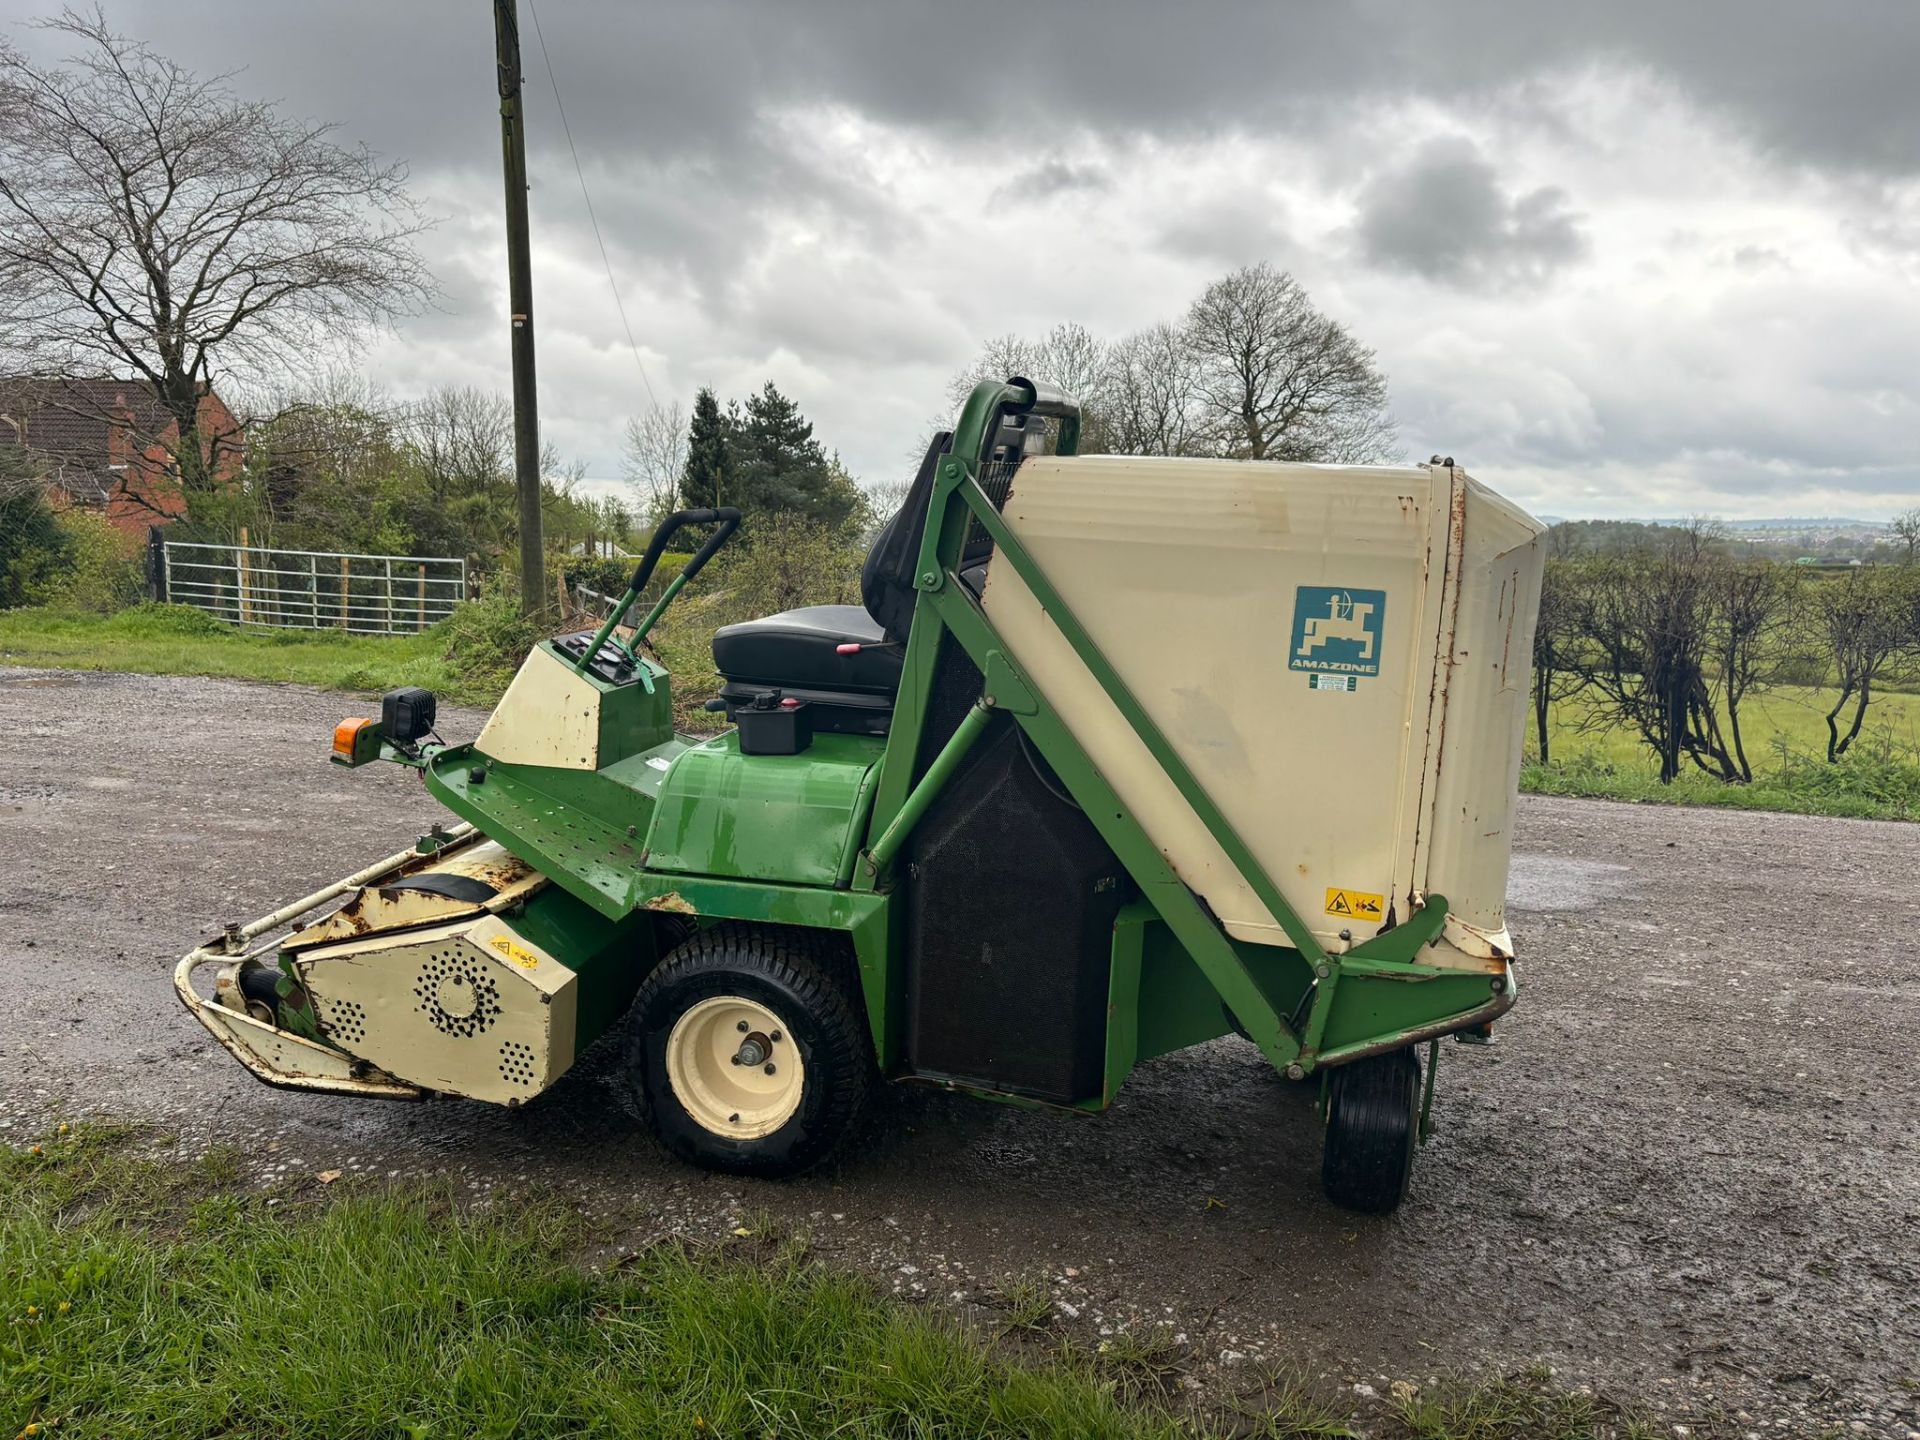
(1791, 522)
(1829, 539)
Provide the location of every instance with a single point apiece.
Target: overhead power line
(592, 219)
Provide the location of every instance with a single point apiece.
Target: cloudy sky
(1638, 258)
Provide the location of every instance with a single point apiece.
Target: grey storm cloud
(850, 197)
(1828, 85)
(1445, 215)
(1052, 177)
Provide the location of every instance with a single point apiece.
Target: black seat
(797, 652)
(802, 648)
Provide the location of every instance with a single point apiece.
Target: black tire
(805, 978)
(1373, 1123)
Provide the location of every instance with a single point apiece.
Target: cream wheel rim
(734, 1067)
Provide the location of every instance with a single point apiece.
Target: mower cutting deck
(1118, 756)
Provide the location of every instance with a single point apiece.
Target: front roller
(244, 1020)
(451, 969)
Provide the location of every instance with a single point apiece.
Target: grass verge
(1874, 782)
(153, 1299)
(467, 659)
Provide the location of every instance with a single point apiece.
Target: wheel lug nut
(769, 1067)
(741, 1027)
(775, 1037)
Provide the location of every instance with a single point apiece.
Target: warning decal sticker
(1337, 631)
(519, 954)
(1356, 905)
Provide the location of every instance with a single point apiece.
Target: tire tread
(816, 968)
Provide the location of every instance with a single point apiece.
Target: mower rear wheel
(747, 1050)
(1373, 1125)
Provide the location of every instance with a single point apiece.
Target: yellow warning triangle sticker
(1356, 904)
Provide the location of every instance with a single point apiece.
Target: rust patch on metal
(672, 902)
(1444, 656)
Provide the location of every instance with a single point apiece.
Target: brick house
(108, 444)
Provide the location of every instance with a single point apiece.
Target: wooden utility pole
(526, 415)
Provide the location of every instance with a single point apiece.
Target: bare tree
(1280, 380)
(1645, 623)
(1253, 373)
(1556, 648)
(463, 440)
(155, 223)
(1906, 529)
(1153, 395)
(1754, 605)
(1000, 357)
(1866, 620)
(654, 457)
(1068, 356)
(883, 503)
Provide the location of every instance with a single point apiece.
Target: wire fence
(313, 589)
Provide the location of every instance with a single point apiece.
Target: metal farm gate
(312, 589)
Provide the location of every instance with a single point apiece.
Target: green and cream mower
(1119, 755)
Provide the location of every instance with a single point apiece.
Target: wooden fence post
(343, 592)
(420, 605)
(241, 579)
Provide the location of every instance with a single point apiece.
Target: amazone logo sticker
(1336, 630)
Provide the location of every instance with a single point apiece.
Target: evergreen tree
(709, 477)
(763, 457)
(782, 468)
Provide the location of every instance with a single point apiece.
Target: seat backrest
(886, 580)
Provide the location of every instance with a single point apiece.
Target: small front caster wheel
(747, 1050)
(1373, 1123)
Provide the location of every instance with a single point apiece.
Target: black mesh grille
(996, 480)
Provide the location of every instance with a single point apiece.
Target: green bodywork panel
(582, 828)
(586, 829)
(791, 819)
(1163, 1000)
(609, 956)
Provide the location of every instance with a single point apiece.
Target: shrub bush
(103, 572)
(34, 548)
(1876, 770)
(484, 641)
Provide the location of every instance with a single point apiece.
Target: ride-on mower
(1120, 754)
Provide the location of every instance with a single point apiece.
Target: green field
(173, 640)
(1786, 742)
(146, 1297)
(1792, 715)
(470, 658)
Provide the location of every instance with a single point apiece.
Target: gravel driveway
(1688, 1173)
